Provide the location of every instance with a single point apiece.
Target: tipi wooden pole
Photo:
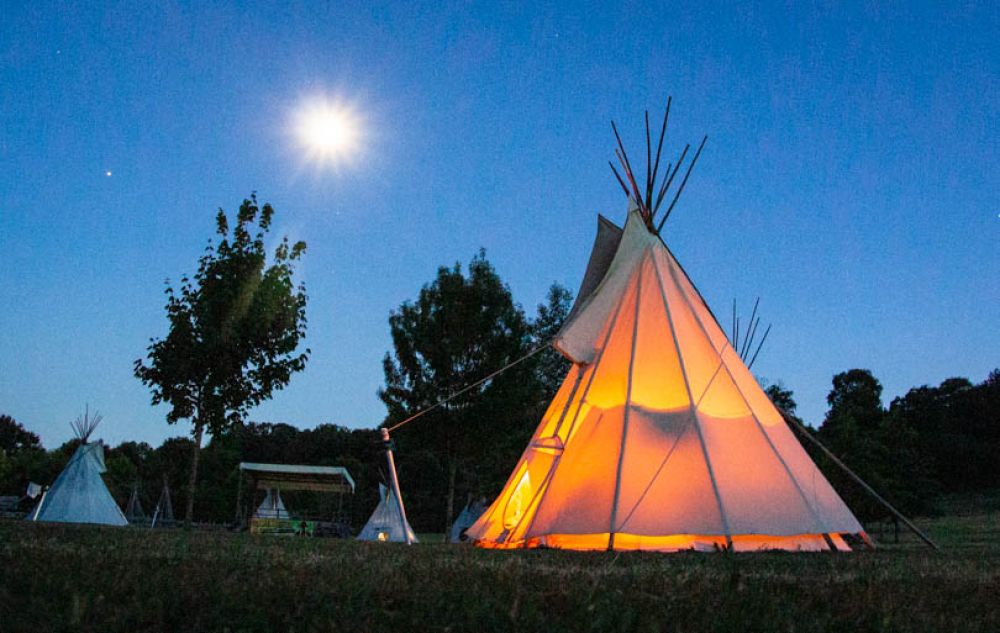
(888, 506)
(41, 502)
(394, 482)
(680, 189)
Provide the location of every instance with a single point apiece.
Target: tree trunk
(450, 506)
(193, 475)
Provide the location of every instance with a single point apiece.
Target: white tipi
(385, 523)
(272, 507)
(472, 511)
(659, 438)
(78, 494)
(133, 509)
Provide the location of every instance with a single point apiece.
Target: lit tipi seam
(694, 414)
(652, 480)
(496, 506)
(659, 469)
(820, 524)
(572, 427)
(569, 403)
(628, 404)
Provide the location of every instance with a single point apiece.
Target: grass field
(75, 578)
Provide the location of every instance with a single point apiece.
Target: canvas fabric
(472, 511)
(78, 494)
(272, 507)
(609, 235)
(385, 523)
(660, 438)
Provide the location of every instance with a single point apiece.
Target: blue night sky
(851, 178)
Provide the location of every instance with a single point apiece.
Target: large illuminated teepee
(660, 438)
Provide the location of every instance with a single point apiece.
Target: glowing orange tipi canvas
(659, 438)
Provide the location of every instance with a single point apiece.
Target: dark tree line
(930, 442)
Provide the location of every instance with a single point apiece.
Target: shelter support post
(239, 499)
(394, 482)
(850, 473)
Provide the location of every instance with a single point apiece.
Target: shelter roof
(299, 477)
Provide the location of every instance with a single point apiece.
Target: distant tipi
(386, 523)
(472, 511)
(163, 513)
(272, 507)
(78, 494)
(659, 438)
(133, 509)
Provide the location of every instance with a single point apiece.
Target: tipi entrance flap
(582, 487)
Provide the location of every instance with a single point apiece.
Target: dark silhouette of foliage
(461, 328)
(783, 398)
(932, 440)
(958, 430)
(14, 437)
(879, 448)
(552, 366)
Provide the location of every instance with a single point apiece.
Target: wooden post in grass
(394, 483)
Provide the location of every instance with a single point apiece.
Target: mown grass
(76, 578)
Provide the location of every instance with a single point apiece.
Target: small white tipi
(78, 494)
(272, 507)
(385, 523)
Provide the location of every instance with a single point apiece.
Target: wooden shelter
(271, 480)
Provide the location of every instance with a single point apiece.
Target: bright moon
(327, 131)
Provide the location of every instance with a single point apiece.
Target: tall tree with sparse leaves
(234, 331)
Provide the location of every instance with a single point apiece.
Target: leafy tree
(14, 437)
(848, 430)
(233, 332)
(552, 366)
(856, 398)
(22, 457)
(460, 329)
(783, 398)
(881, 449)
(957, 428)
